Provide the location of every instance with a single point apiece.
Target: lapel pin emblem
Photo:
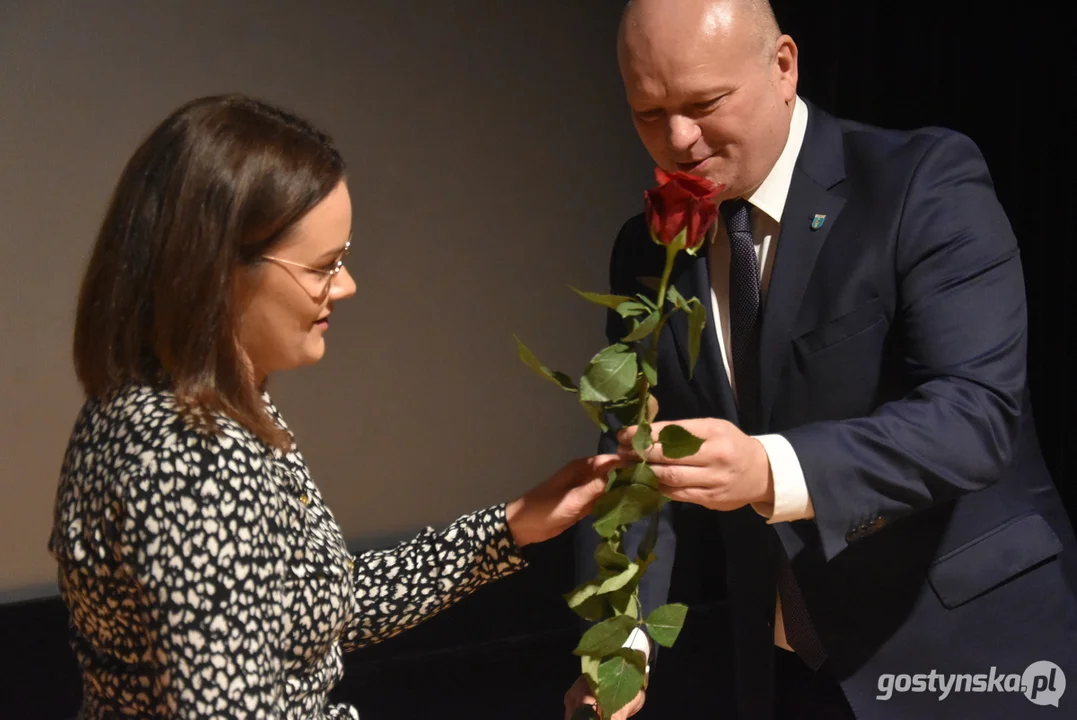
(817, 222)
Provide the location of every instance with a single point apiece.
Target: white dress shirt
(791, 499)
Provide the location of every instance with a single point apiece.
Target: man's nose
(682, 133)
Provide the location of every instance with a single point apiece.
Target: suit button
(863, 530)
(305, 499)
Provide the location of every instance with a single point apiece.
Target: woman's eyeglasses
(327, 272)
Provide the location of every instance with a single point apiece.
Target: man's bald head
(712, 20)
(712, 86)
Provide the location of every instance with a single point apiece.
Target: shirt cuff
(791, 498)
(638, 640)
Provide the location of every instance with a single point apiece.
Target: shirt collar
(771, 195)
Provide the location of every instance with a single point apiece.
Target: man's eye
(648, 115)
(706, 105)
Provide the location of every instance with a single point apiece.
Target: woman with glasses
(204, 574)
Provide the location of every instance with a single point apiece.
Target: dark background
(1002, 79)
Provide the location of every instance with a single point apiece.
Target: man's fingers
(684, 476)
(705, 497)
(692, 425)
(654, 454)
(694, 495)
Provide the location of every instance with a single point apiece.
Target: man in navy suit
(893, 544)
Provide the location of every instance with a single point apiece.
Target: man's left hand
(730, 470)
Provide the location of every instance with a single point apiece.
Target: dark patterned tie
(799, 632)
(745, 310)
(745, 321)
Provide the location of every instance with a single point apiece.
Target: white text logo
(1042, 683)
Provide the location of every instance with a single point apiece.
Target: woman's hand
(552, 507)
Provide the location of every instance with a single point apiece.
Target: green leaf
(648, 301)
(594, 608)
(618, 581)
(678, 443)
(631, 308)
(557, 378)
(611, 375)
(624, 601)
(665, 623)
(619, 680)
(646, 545)
(609, 301)
(645, 328)
(589, 667)
(621, 477)
(674, 296)
(610, 558)
(625, 506)
(594, 411)
(697, 320)
(626, 414)
(643, 475)
(606, 637)
(642, 440)
(580, 595)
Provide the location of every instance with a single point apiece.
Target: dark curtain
(1001, 75)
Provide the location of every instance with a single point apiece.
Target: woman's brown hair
(213, 188)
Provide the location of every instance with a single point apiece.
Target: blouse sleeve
(206, 569)
(397, 589)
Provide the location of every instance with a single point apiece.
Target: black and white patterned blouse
(206, 578)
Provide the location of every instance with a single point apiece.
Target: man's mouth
(692, 166)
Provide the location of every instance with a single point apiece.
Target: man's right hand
(580, 694)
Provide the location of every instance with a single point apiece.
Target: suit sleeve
(962, 321)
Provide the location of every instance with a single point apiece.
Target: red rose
(681, 203)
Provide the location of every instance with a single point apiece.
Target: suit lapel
(819, 168)
(691, 277)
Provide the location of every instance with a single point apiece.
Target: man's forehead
(687, 68)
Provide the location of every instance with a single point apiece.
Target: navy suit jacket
(893, 359)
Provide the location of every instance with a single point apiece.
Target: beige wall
(492, 162)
